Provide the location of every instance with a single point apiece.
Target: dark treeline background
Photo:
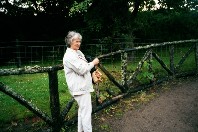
(35, 20)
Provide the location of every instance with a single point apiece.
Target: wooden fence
(57, 119)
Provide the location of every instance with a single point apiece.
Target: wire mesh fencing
(20, 53)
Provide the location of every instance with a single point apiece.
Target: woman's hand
(96, 61)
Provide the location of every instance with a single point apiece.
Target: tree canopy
(52, 19)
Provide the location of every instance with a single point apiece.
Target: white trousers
(84, 112)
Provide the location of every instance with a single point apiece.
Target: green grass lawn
(35, 88)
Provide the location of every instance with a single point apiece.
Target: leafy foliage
(166, 25)
(52, 19)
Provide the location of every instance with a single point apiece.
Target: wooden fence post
(124, 69)
(196, 56)
(54, 100)
(150, 66)
(172, 59)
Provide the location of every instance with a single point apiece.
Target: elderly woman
(79, 80)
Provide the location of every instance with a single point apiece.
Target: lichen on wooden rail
(152, 45)
(29, 70)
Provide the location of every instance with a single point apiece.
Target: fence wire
(23, 53)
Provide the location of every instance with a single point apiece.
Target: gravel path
(175, 110)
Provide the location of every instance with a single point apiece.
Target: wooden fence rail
(57, 119)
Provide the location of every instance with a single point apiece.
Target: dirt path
(174, 110)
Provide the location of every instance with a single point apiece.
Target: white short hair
(72, 35)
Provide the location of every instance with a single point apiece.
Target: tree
(93, 18)
(175, 4)
(34, 19)
(191, 4)
(179, 4)
(107, 17)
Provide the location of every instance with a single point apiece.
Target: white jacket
(77, 72)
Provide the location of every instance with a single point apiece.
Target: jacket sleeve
(90, 59)
(79, 66)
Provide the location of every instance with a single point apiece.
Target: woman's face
(75, 44)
